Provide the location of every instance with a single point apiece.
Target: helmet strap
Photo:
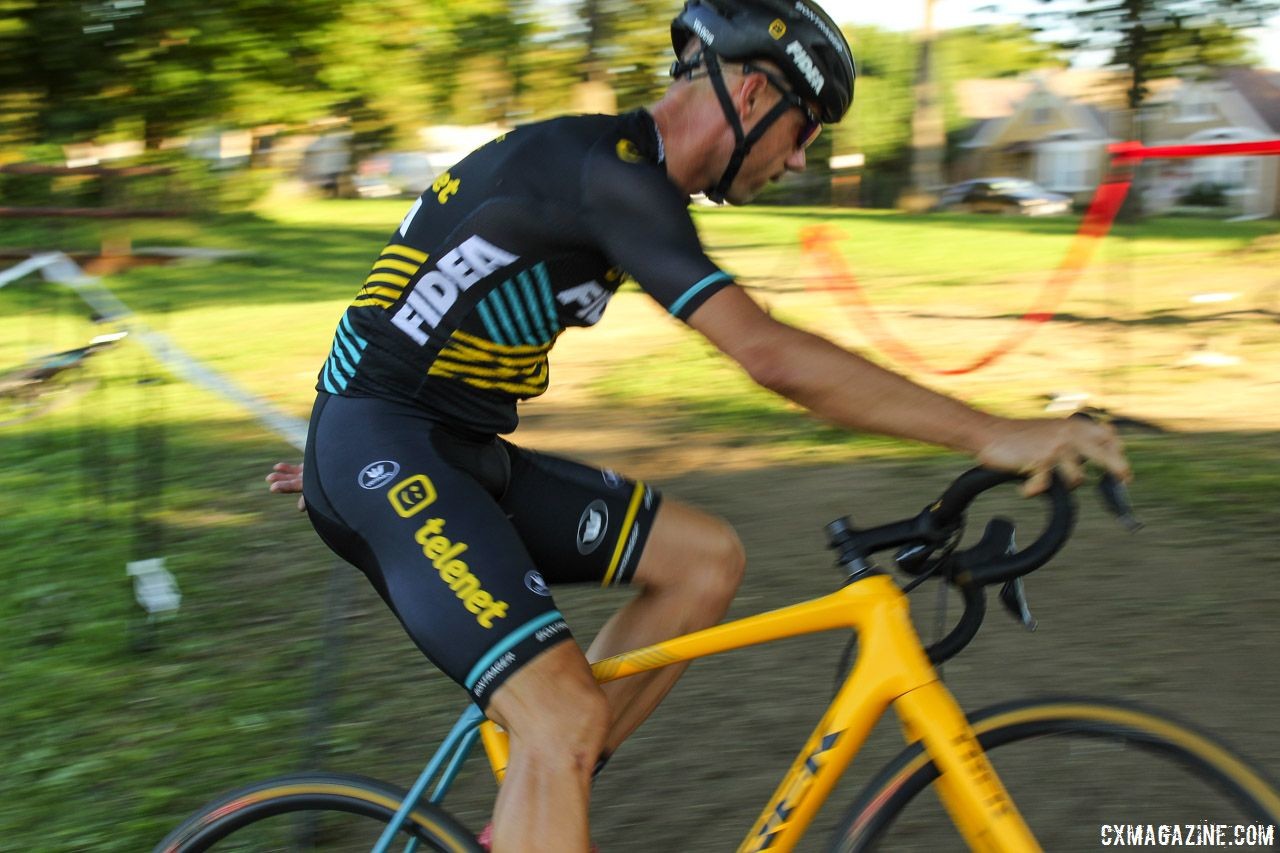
(743, 142)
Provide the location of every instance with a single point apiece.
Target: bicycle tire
(1207, 766)
(241, 812)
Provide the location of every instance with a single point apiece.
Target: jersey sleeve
(642, 223)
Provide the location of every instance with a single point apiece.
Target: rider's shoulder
(630, 142)
(626, 167)
(626, 144)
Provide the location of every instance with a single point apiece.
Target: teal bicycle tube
(455, 747)
(455, 764)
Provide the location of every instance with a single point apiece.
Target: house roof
(1261, 89)
(987, 99)
(1099, 89)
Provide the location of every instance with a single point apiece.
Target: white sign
(155, 589)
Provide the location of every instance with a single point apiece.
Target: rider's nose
(796, 162)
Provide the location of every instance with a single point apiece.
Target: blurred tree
(984, 52)
(928, 136)
(19, 105)
(488, 67)
(626, 43)
(392, 67)
(89, 68)
(73, 70)
(879, 121)
(1157, 38)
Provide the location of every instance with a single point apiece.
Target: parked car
(1015, 196)
(401, 173)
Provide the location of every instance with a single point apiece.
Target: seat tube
(497, 747)
(968, 785)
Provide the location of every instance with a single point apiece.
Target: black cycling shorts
(461, 533)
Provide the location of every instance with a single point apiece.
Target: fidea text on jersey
(435, 293)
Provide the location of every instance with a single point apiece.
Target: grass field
(108, 745)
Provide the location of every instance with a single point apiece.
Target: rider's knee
(568, 726)
(572, 730)
(719, 574)
(694, 557)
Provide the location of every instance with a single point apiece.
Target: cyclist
(462, 532)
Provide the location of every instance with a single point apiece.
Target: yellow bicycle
(1139, 777)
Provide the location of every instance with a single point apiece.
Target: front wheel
(315, 811)
(1085, 774)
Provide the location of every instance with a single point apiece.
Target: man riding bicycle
(463, 533)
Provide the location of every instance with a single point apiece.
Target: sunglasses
(812, 124)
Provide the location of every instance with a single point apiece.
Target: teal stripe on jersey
(324, 377)
(513, 639)
(342, 383)
(342, 361)
(495, 302)
(346, 322)
(511, 291)
(351, 349)
(548, 301)
(678, 305)
(486, 317)
(529, 292)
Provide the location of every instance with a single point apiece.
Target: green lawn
(106, 744)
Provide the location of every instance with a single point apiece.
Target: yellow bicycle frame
(892, 668)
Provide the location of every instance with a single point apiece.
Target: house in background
(1236, 105)
(1054, 129)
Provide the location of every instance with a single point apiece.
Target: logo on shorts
(592, 526)
(628, 152)
(612, 478)
(375, 475)
(536, 583)
(411, 496)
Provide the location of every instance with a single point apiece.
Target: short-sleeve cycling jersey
(528, 235)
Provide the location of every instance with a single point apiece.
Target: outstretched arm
(286, 479)
(848, 390)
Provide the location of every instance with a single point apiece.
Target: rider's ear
(751, 90)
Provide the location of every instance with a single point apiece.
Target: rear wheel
(1082, 773)
(315, 811)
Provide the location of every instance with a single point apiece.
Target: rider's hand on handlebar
(286, 479)
(1038, 446)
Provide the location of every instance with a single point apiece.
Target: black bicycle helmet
(796, 35)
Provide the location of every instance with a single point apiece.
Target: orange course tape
(820, 242)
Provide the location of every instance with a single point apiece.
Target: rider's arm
(846, 389)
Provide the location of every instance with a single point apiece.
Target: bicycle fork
(968, 785)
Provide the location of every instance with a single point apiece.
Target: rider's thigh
(431, 538)
(581, 524)
(691, 549)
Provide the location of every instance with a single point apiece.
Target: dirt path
(1181, 616)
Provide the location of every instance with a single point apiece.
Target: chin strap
(743, 142)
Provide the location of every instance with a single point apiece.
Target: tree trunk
(928, 135)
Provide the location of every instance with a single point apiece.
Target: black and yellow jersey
(526, 236)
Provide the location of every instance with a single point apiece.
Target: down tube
(833, 744)
(968, 785)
